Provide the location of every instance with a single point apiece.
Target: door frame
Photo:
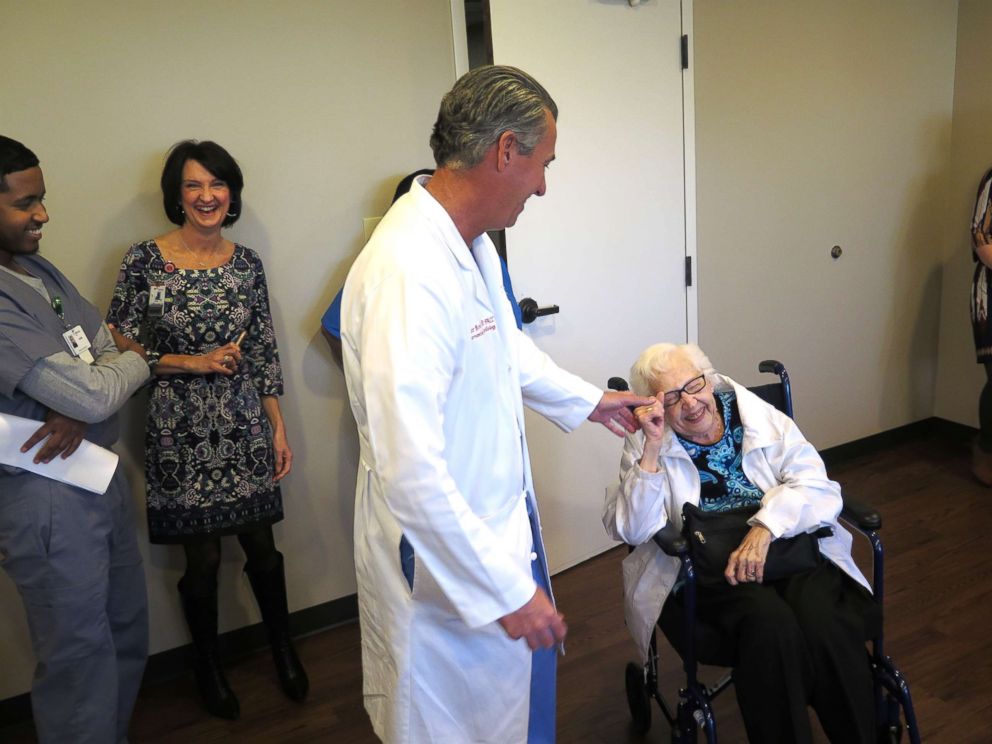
(459, 40)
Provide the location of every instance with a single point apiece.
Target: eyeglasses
(695, 385)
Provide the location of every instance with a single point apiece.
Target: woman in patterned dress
(215, 443)
(981, 254)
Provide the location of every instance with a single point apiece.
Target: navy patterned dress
(209, 460)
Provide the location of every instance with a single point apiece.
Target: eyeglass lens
(692, 387)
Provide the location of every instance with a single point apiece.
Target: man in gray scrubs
(72, 554)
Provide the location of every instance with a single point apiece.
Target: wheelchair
(693, 710)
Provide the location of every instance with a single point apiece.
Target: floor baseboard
(234, 644)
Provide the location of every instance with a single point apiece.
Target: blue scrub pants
(75, 561)
(544, 663)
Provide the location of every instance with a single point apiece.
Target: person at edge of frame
(72, 554)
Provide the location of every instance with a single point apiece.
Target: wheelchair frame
(694, 709)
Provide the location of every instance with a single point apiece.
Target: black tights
(985, 411)
(203, 558)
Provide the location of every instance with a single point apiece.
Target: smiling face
(526, 177)
(695, 416)
(22, 214)
(204, 197)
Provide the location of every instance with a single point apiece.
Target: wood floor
(938, 537)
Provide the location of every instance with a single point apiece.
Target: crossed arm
(78, 394)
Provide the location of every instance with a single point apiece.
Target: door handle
(529, 311)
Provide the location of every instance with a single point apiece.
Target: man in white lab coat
(458, 627)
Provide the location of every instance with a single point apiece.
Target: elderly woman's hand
(651, 419)
(747, 563)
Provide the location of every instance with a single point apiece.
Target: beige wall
(960, 379)
(325, 105)
(820, 123)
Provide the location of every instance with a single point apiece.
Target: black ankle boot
(201, 616)
(270, 592)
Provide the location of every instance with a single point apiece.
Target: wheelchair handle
(773, 366)
(618, 383)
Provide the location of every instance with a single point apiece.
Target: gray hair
(484, 103)
(655, 360)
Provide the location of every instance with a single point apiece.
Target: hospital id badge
(79, 345)
(156, 300)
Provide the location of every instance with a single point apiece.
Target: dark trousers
(794, 642)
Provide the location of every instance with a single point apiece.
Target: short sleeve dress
(209, 461)
(981, 282)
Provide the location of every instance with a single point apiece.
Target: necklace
(198, 263)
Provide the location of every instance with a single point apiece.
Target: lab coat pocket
(469, 685)
(512, 525)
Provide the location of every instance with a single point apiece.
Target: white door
(607, 243)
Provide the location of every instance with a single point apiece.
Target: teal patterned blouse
(723, 484)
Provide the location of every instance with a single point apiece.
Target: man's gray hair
(654, 361)
(484, 103)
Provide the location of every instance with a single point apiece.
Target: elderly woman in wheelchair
(792, 622)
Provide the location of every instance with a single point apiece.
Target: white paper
(90, 467)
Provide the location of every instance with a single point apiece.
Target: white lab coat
(798, 497)
(437, 373)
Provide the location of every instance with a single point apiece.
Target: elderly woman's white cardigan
(798, 497)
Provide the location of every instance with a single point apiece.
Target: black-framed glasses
(695, 385)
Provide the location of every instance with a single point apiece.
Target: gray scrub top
(30, 330)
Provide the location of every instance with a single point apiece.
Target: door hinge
(685, 51)
(688, 271)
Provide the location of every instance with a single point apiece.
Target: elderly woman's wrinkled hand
(652, 420)
(747, 563)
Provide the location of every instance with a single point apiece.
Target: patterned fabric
(723, 484)
(208, 443)
(981, 229)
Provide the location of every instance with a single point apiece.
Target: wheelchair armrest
(671, 541)
(860, 514)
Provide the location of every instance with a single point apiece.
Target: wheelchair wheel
(890, 730)
(638, 699)
(684, 730)
(890, 734)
